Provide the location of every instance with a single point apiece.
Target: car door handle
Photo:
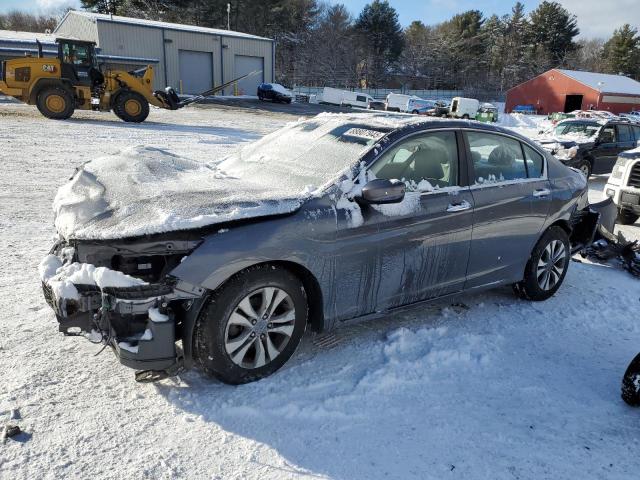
(459, 207)
(541, 192)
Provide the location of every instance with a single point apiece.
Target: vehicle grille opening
(634, 177)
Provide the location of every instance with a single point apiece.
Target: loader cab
(78, 62)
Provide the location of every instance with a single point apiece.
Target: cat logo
(48, 68)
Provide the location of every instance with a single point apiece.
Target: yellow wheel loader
(73, 80)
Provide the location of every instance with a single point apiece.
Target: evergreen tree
(552, 31)
(381, 40)
(622, 52)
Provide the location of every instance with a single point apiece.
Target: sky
(596, 18)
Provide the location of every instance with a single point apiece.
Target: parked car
(274, 92)
(234, 263)
(634, 115)
(623, 185)
(440, 109)
(525, 109)
(591, 145)
(399, 102)
(377, 105)
(345, 98)
(487, 113)
(464, 107)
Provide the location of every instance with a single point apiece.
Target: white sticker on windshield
(363, 133)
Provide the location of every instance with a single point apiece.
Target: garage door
(245, 64)
(196, 71)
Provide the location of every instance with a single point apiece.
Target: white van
(464, 107)
(334, 96)
(398, 102)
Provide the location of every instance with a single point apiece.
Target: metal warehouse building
(191, 59)
(568, 90)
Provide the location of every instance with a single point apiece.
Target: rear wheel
(627, 217)
(131, 107)
(415, 112)
(465, 116)
(252, 325)
(546, 267)
(56, 102)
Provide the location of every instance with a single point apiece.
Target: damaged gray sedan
(175, 263)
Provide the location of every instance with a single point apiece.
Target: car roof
(399, 123)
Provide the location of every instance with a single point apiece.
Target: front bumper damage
(140, 323)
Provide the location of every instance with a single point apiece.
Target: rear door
(626, 140)
(510, 206)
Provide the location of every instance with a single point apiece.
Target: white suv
(624, 186)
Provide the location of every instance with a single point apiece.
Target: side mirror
(381, 191)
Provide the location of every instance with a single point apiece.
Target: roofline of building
(166, 26)
(558, 70)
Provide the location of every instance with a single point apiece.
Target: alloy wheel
(260, 327)
(551, 265)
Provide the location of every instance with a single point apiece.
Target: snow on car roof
(604, 82)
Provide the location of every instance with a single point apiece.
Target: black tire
(465, 117)
(55, 102)
(631, 383)
(131, 107)
(626, 217)
(529, 287)
(415, 112)
(585, 167)
(211, 328)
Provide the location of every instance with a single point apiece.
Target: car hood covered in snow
(142, 191)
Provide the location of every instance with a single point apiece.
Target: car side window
(636, 131)
(535, 162)
(425, 162)
(496, 158)
(360, 98)
(624, 133)
(608, 134)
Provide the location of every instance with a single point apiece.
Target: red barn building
(568, 90)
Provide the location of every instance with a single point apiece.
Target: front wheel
(465, 117)
(585, 168)
(546, 267)
(252, 325)
(631, 383)
(626, 217)
(131, 107)
(55, 102)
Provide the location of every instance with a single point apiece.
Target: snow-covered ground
(492, 387)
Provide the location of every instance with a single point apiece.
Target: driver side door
(417, 249)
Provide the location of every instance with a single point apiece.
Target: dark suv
(591, 145)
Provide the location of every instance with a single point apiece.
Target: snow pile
(411, 356)
(62, 278)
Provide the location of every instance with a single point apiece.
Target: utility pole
(228, 16)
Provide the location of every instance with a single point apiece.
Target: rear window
(535, 161)
(496, 158)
